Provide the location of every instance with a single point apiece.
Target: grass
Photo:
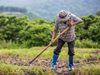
(8, 69)
(85, 43)
(81, 55)
(32, 52)
(98, 56)
(88, 70)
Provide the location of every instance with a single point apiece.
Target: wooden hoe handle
(49, 45)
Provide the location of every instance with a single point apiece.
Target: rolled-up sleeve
(75, 18)
(56, 26)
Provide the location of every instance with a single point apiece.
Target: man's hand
(53, 36)
(52, 40)
(70, 24)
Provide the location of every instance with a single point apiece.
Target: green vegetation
(10, 70)
(98, 13)
(14, 61)
(99, 57)
(88, 70)
(19, 32)
(80, 54)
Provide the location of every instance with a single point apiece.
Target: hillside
(48, 9)
(18, 11)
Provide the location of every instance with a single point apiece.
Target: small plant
(8, 69)
(98, 57)
(88, 70)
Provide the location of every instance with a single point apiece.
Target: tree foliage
(39, 31)
(11, 25)
(89, 29)
(98, 13)
(12, 9)
(36, 35)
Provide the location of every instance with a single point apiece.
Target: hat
(63, 16)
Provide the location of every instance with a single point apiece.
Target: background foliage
(22, 32)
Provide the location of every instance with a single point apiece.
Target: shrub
(86, 44)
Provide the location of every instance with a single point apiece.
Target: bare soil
(62, 66)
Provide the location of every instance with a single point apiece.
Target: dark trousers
(60, 44)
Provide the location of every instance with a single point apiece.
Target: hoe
(48, 45)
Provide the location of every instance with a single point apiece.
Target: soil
(61, 66)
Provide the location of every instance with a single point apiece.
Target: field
(14, 62)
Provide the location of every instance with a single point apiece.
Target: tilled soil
(62, 66)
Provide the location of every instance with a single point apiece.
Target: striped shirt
(69, 35)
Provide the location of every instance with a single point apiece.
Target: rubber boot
(54, 60)
(71, 63)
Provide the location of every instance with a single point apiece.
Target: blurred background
(47, 9)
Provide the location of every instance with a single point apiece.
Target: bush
(86, 44)
(36, 35)
(9, 44)
(20, 31)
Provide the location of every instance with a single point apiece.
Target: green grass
(32, 52)
(78, 43)
(98, 56)
(81, 54)
(88, 70)
(8, 69)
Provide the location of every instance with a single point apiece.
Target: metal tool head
(29, 63)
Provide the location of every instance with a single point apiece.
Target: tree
(11, 25)
(98, 13)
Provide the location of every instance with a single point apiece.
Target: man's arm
(53, 36)
(76, 20)
(74, 23)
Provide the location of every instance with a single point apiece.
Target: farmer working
(63, 20)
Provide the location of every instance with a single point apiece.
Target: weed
(92, 70)
(8, 69)
(98, 57)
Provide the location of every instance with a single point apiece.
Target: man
(63, 20)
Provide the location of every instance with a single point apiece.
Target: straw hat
(63, 16)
